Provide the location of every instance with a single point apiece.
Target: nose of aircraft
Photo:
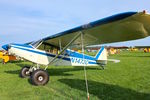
(5, 47)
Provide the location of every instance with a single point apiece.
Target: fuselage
(41, 57)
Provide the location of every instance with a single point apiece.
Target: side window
(44, 47)
(49, 48)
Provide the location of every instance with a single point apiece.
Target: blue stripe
(79, 55)
(99, 53)
(92, 63)
(42, 53)
(22, 45)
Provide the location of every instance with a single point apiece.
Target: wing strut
(85, 75)
(63, 49)
(82, 40)
(60, 44)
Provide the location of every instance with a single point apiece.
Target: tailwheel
(39, 77)
(25, 72)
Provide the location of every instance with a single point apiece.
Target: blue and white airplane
(120, 27)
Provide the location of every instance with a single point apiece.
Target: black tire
(23, 72)
(39, 77)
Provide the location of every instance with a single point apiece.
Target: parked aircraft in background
(146, 49)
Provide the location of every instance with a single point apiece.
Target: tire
(23, 72)
(39, 77)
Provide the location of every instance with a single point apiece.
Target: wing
(116, 28)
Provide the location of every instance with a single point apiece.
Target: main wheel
(25, 72)
(39, 77)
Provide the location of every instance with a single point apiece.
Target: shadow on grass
(17, 71)
(63, 71)
(22, 64)
(16, 61)
(106, 91)
(57, 71)
(13, 72)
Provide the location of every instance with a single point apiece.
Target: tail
(101, 56)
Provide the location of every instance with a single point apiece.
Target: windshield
(36, 43)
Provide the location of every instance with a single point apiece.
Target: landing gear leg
(27, 70)
(3, 62)
(103, 67)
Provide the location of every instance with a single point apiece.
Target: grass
(127, 80)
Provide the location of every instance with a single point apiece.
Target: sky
(23, 21)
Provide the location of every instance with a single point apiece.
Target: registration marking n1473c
(79, 60)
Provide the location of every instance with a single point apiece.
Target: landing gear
(25, 72)
(39, 77)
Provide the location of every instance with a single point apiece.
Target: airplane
(57, 49)
(146, 49)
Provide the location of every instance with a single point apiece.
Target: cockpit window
(36, 43)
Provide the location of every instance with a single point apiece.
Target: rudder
(101, 56)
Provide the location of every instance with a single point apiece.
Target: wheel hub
(27, 72)
(40, 78)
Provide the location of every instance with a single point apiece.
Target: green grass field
(127, 80)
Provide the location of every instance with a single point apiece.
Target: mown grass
(127, 80)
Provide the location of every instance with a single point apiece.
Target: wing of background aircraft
(116, 28)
